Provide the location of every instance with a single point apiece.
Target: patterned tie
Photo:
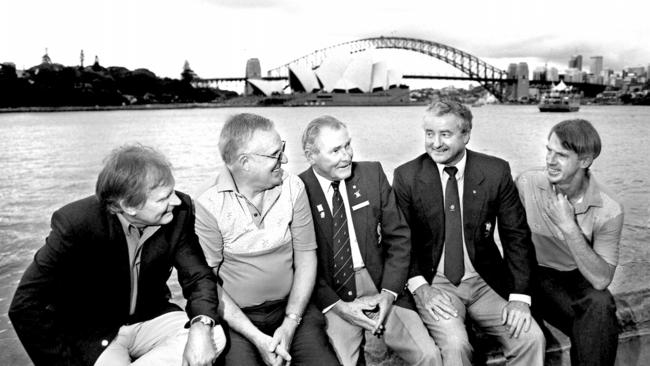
(343, 270)
(454, 266)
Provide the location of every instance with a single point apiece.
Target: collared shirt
(599, 215)
(135, 239)
(357, 259)
(251, 249)
(326, 186)
(470, 271)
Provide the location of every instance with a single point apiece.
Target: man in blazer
(363, 250)
(96, 292)
(453, 198)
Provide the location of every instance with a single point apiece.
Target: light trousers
(404, 333)
(156, 342)
(476, 299)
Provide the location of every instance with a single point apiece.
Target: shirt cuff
(415, 282)
(390, 292)
(520, 297)
(330, 307)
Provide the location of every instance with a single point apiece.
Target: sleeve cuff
(415, 282)
(390, 292)
(520, 297)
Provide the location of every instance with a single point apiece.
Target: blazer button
(104, 343)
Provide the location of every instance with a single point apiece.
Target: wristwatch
(295, 317)
(202, 319)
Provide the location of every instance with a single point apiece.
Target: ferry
(560, 98)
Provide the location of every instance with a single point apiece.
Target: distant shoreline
(118, 107)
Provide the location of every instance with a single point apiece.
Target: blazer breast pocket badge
(360, 205)
(487, 227)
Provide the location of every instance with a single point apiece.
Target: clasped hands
(367, 312)
(515, 315)
(275, 350)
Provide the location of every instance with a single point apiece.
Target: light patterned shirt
(599, 215)
(251, 249)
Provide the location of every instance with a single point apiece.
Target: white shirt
(470, 271)
(357, 260)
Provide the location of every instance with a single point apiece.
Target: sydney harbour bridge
(493, 79)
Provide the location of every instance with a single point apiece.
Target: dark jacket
(380, 228)
(75, 295)
(489, 196)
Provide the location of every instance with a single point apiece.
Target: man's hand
(383, 302)
(516, 317)
(561, 212)
(352, 312)
(283, 336)
(267, 348)
(200, 349)
(437, 302)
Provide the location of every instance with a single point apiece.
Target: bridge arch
(491, 78)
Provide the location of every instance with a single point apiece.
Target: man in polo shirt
(255, 227)
(576, 228)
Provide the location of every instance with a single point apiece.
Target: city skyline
(217, 37)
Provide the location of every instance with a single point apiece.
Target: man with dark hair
(96, 292)
(576, 228)
(255, 228)
(453, 198)
(363, 250)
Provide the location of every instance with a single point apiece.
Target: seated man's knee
(601, 300)
(534, 337)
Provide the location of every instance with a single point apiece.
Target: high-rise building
(552, 75)
(596, 65)
(511, 89)
(523, 83)
(575, 62)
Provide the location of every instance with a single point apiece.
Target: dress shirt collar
(130, 229)
(326, 184)
(591, 196)
(460, 166)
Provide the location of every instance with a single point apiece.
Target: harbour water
(50, 159)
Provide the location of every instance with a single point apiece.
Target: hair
(578, 135)
(442, 107)
(129, 174)
(238, 131)
(313, 129)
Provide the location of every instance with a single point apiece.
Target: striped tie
(344, 283)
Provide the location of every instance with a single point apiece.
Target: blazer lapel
(430, 196)
(474, 199)
(321, 210)
(117, 240)
(360, 216)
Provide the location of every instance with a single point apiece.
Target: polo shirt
(599, 216)
(250, 249)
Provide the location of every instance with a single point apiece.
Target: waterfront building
(511, 89)
(552, 75)
(523, 83)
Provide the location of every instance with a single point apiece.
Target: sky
(217, 37)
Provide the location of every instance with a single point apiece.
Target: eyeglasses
(277, 156)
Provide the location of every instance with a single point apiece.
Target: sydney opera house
(337, 81)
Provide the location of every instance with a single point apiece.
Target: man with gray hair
(364, 250)
(96, 292)
(255, 228)
(453, 198)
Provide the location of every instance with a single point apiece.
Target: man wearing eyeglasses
(255, 227)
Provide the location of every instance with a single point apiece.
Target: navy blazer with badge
(385, 252)
(489, 196)
(75, 295)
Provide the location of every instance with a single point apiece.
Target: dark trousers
(569, 302)
(310, 345)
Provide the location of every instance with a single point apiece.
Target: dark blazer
(75, 295)
(489, 195)
(380, 228)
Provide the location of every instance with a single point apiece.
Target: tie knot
(335, 185)
(451, 170)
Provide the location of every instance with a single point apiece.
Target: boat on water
(560, 98)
